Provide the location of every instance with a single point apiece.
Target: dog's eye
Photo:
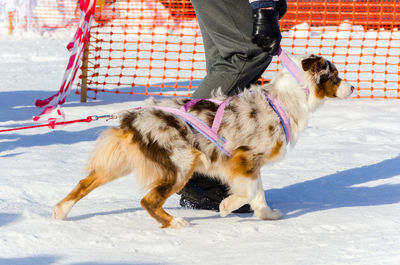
(324, 78)
(335, 78)
(332, 77)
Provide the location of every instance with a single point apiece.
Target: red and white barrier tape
(52, 111)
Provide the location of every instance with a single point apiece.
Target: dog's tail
(110, 155)
(116, 155)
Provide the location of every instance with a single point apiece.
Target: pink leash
(53, 123)
(293, 69)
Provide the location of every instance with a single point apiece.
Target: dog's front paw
(223, 207)
(268, 214)
(178, 222)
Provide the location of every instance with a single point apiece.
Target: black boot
(202, 192)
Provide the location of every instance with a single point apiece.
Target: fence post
(10, 22)
(85, 63)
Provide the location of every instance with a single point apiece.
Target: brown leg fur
(113, 157)
(108, 162)
(84, 187)
(155, 199)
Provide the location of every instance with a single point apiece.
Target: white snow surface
(339, 188)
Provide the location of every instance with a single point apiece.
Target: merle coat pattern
(164, 151)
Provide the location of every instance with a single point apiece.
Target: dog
(164, 151)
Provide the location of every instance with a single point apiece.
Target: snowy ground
(339, 189)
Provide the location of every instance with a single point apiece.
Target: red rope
(51, 124)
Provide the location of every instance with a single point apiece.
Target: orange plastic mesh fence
(153, 47)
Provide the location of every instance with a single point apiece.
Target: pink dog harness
(212, 133)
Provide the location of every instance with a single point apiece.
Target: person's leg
(210, 49)
(203, 192)
(232, 60)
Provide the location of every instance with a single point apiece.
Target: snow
(339, 188)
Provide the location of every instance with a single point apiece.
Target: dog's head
(325, 78)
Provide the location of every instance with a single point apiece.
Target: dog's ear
(309, 62)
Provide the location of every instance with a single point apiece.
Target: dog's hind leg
(109, 161)
(260, 206)
(169, 184)
(84, 187)
(153, 202)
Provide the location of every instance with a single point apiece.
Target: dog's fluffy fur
(164, 151)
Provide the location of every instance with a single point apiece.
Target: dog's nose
(352, 88)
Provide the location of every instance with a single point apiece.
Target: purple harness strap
(193, 102)
(278, 108)
(210, 133)
(218, 115)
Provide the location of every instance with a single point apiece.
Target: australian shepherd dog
(164, 151)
